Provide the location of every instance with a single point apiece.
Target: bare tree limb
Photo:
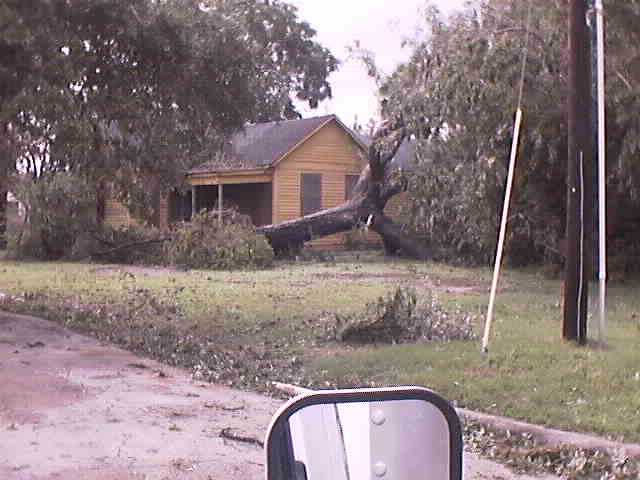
(226, 433)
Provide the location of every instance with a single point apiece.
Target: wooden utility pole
(579, 175)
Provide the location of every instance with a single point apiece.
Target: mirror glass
(396, 439)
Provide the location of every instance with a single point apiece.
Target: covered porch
(249, 192)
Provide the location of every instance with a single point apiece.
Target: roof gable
(264, 144)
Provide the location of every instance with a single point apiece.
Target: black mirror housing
(404, 433)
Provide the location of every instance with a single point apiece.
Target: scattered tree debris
(225, 408)
(162, 336)
(400, 318)
(127, 246)
(228, 434)
(139, 366)
(523, 453)
(184, 465)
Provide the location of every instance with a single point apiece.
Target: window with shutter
(311, 193)
(350, 182)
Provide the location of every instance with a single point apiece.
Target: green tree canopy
(116, 89)
(458, 93)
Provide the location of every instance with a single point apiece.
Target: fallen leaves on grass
(159, 329)
(522, 453)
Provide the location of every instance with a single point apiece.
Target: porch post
(194, 204)
(220, 194)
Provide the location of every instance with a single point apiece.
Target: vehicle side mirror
(408, 433)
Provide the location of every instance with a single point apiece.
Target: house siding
(330, 152)
(116, 214)
(164, 212)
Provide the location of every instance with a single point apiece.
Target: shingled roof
(263, 144)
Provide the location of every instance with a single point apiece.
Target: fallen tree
(378, 183)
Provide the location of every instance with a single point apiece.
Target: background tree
(123, 91)
(457, 94)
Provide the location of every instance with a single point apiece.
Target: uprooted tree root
(400, 318)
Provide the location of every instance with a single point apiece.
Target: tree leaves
(119, 89)
(457, 94)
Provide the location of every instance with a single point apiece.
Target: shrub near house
(203, 243)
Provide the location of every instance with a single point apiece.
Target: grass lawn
(530, 373)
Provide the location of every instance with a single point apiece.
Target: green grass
(530, 373)
(288, 293)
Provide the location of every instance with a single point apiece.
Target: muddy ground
(73, 408)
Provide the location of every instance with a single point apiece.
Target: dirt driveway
(72, 408)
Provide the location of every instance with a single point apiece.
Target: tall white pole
(503, 230)
(602, 212)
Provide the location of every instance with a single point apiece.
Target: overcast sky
(379, 26)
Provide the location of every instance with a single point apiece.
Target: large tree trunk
(377, 184)
(396, 240)
(293, 234)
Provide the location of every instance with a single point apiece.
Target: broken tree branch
(227, 434)
(131, 245)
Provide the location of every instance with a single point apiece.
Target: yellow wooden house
(272, 172)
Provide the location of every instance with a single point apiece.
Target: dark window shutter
(311, 193)
(350, 182)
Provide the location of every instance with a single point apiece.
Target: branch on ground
(129, 246)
